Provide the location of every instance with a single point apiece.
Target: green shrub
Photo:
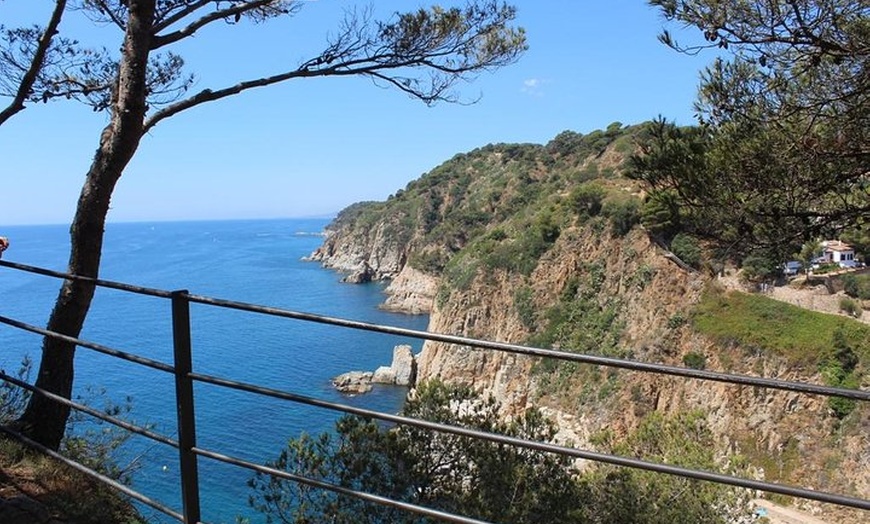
(525, 307)
(757, 267)
(643, 276)
(623, 215)
(850, 307)
(13, 399)
(857, 286)
(686, 248)
(839, 370)
(826, 268)
(460, 271)
(590, 172)
(660, 214)
(586, 199)
(676, 320)
(521, 254)
(431, 261)
(695, 360)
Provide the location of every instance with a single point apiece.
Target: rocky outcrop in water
(401, 372)
(353, 382)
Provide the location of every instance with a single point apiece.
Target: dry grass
(68, 495)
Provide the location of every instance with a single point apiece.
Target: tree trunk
(45, 420)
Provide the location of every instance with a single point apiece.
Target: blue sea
(251, 261)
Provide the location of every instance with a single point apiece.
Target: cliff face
(649, 288)
(357, 250)
(541, 245)
(377, 251)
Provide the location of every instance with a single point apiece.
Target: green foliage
(641, 497)
(850, 307)
(98, 444)
(89, 441)
(780, 154)
(676, 320)
(586, 199)
(582, 322)
(623, 214)
(460, 272)
(695, 360)
(754, 321)
(502, 206)
(432, 261)
(522, 253)
(492, 482)
(687, 249)
(525, 306)
(857, 286)
(452, 473)
(69, 495)
(643, 276)
(840, 370)
(571, 144)
(809, 251)
(759, 267)
(94, 444)
(858, 237)
(827, 267)
(660, 214)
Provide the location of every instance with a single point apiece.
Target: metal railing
(186, 376)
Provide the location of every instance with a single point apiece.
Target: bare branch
(163, 21)
(260, 8)
(101, 11)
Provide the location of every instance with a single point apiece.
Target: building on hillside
(837, 252)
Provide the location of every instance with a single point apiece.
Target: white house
(837, 252)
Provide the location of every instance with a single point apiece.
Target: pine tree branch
(234, 12)
(25, 87)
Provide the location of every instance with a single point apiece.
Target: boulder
(354, 382)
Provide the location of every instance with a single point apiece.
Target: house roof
(836, 245)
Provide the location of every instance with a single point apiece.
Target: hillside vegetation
(504, 205)
(557, 246)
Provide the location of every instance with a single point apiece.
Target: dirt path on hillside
(777, 514)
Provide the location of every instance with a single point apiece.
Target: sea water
(250, 261)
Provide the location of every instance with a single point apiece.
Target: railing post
(184, 401)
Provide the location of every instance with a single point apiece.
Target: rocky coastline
(363, 260)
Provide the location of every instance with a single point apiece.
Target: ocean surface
(250, 261)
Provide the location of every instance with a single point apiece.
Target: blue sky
(310, 147)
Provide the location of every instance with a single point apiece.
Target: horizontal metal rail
(633, 365)
(133, 428)
(616, 460)
(377, 499)
(111, 284)
(129, 357)
(98, 476)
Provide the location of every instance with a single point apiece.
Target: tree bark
(45, 420)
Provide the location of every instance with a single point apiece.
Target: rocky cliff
(542, 245)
